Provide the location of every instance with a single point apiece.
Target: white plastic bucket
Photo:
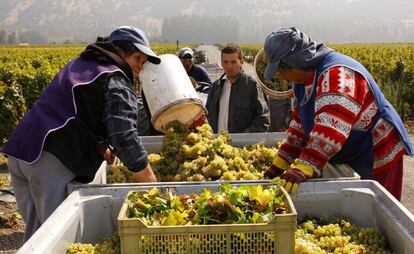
(170, 94)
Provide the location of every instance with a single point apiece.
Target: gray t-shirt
(223, 117)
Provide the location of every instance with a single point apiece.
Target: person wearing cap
(90, 106)
(236, 102)
(340, 115)
(195, 71)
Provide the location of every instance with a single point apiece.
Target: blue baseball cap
(138, 38)
(277, 46)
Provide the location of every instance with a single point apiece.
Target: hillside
(328, 20)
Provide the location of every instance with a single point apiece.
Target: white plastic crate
(90, 214)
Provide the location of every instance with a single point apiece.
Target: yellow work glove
(298, 173)
(278, 167)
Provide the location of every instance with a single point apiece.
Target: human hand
(298, 173)
(145, 175)
(293, 178)
(278, 167)
(109, 156)
(273, 172)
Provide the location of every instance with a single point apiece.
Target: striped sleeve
(296, 137)
(340, 98)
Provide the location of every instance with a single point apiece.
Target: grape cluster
(110, 245)
(199, 155)
(202, 156)
(80, 248)
(275, 83)
(338, 236)
(118, 174)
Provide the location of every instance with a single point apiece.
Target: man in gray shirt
(236, 102)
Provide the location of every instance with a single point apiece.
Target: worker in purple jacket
(87, 112)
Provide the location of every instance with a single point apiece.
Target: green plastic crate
(276, 236)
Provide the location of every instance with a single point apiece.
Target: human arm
(343, 101)
(145, 175)
(109, 156)
(278, 167)
(200, 74)
(296, 138)
(291, 147)
(120, 119)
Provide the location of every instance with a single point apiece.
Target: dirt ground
(11, 224)
(11, 230)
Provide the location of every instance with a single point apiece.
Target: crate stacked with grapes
(254, 218)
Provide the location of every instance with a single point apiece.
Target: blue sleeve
(120, 119)
(201, 75)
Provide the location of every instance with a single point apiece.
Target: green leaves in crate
(229, 205)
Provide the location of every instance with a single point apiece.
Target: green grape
(229, 205)
(200, 156)
(275, 83)
(80, 248)
(110, 245)
(338, 236)
(229, 176)
(118, 174)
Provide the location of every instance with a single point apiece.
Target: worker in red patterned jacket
(339, 115)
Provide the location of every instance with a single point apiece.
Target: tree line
(18, 37)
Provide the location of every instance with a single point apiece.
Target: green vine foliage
(26, 70)
(12, 105)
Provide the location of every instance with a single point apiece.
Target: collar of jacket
(223, 77)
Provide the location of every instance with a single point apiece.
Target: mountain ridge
(78, 20)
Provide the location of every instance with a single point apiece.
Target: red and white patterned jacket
(343, 102)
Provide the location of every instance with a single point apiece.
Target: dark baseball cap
(277, 46)
(138, 38)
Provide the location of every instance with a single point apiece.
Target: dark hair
(102, 39)
(232, 48)
(126, 46)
